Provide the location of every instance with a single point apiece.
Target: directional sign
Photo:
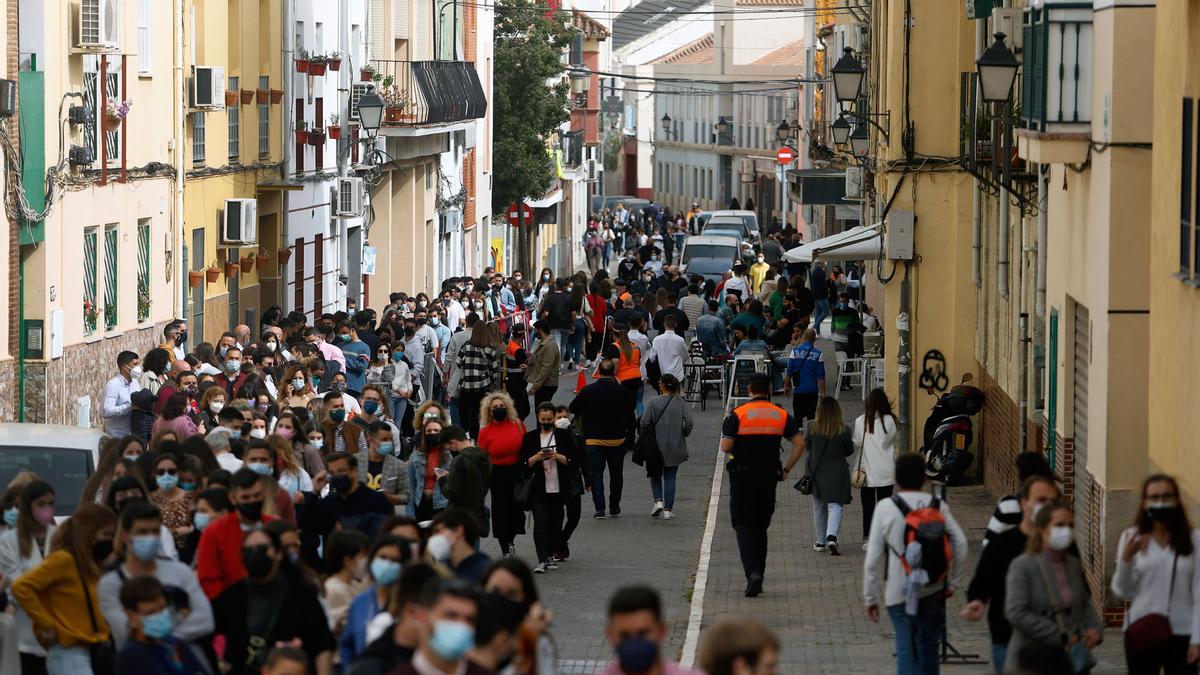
(785, 155)
(519, 215)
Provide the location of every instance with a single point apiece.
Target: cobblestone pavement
(813, 601)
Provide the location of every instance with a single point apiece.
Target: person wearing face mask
(1047, 598)
(414, 350)
(219, 555)
(496, 633)
(501, 437)
(383, 563)
(636, 630)
(385, 473)
(1156, 573)
(428, 462)
(22, 548)
(739, 647)
(211, 505)
(758, 273)
(143, 607)
(231, 378)
(455, 544)
(447, 631)
(59, 595)
(175, 418)
(987, 589)
(271, 605)
(357, 355)
(116, 403)
(546, 455)
(295, 388)
(349, 503)
(346, 562)
(212, 402)
(174, 502)
(138, 546)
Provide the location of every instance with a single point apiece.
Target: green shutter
(90, 310)
(110, 277)
(143, 284)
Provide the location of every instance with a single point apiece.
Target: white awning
(857, 243)
(549, 200)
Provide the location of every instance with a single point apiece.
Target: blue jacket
(416, 479)
(353, 641)
(356, 368)
(805, 368)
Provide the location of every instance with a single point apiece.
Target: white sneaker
(667, 515)
(540, 568)
(658, 509)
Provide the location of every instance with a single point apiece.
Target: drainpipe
(343, 224)
(1024, 387)
(1043, 175)
(180, 116)
(287, 126)
(976, 201)
(904, 359)
(1002, 278)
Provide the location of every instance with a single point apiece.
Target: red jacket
(599, 311)
(219, 555)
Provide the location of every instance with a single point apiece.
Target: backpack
(927, 527)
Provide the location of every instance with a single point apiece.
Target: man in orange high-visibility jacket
(751, 435)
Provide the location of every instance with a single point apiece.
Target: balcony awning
(858, 243)
(450, 91)
(551, 198)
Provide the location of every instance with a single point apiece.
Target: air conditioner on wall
(357, 91)
(97, 25)
(592, 171)
(854, 182)
(350, 197)
(240, 224)
(208, 87)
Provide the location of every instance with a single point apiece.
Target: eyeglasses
(1162, 496)
(166, 472)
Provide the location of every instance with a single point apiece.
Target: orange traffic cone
(581, 382)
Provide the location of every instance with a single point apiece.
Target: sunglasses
(166, 472)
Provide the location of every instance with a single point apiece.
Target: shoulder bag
(859, 477)
(1082, 659)
(806, 484)
(103, 655)
(1152, 632)
(646, 449)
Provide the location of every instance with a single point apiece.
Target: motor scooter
(949, 432)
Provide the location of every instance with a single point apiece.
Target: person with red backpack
(923, 552)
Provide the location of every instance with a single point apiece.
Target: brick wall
(999, 438)
(470, 217)
(12, 63)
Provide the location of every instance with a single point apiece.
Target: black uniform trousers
(751, 506)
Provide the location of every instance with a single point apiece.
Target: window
(235, 132)
(143, 35)
(95, 100)
(428, 176)
(197, 139)
(299, 37)
(90, 308)
(143, 280)
(264, 121)
(110, 277)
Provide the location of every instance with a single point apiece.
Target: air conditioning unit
(97, 25)
(240, 224)
(854, 181)
(746, 175)
(357, 91)
(593, 173)
(208, 87)
(350, 197)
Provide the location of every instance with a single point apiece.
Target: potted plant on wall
(334, 127)
(247, 96)
(394, 100)
(115, 111)
(263, 96)
(231, 98)
(302, 61)
(334, 59)
(212, 274)
(366, 73)
(247, 263)
(317, 64)
(276, 96)
(262, 260)
(316, 138)
(283, 255)
(195, 278)
(231, 270)
(301, 131)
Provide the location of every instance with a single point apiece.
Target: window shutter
(378, 36)
(400, 19)
(143, 33)
(422, 47)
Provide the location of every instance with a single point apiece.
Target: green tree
(529, 99)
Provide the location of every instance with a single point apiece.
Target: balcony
(1056, 83)
(425, 97)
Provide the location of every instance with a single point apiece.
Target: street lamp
(722, 126)
(860, 140)
(848, 74)
(666, 123)
(783, 132)
(370, 110)
(997, 68)
(841, 131)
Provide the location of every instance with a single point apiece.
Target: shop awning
(857, 243)
(550, 199)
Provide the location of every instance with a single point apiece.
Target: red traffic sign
(520, 214)
(785, 155)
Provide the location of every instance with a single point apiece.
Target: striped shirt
(1005, 517)
(479, 366)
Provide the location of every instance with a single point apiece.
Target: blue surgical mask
(166, 481)
(158, 625)
(386, 448)
(370, 407)
(232, 366)
(202, 520)
(144, 547)
(10, 516)
(260, 468)
(385, 572)
(187, 485)
(452, 639)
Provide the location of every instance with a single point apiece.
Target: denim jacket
(416, 479)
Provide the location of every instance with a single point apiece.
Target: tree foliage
(529, 96)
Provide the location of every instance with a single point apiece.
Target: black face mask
(257, 560)
(101, 550)
(251, 511)
(409, 332)
(546, 426)
(500, 414)
(1163, 514)
(180, 339)
(431, 440)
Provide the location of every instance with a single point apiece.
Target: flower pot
(366, 75)
(212, 274)
(276, 96)
(195, 279)
(392, 114)
(334, 133)
(283, 255)
(301, 136)
(247, 264)
(316, 69)
(247, 96)
(231, 270)
(335, 64)
(111, 122)
(263, 95)
(231, 98)
(316, 138)
(262, 261)
(301, 66)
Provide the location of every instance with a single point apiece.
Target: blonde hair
(418, 421)
(485, 408)
(1036, 543)
(285, 454)
(829, 421)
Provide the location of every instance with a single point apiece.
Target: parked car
(730, 226)
(709, 268)
(62, 455)
(601, 202)
(711, 247)
(749, 218)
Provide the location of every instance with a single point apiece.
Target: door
(354, 262)
(196, 324)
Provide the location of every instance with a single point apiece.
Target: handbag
(859, 477)
(646, 449)
(103, 655)
(806, 484)
(1152, 632)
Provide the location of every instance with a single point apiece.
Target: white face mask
(216, 406)
(258, 433)
(563, 423)
(135, 372)
(439, 547)
(1061, 537)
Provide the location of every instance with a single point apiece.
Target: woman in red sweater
(500, 435)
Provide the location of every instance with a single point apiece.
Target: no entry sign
(520, 214)
(785, 155)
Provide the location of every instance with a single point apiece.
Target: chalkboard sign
(742, 370)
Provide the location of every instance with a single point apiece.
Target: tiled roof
(590, 27)
(696, 51)
(788, 55)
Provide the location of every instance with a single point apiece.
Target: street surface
(811, 600)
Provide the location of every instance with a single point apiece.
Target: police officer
(515, 361)
(751, 435)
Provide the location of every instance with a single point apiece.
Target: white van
(61, 455)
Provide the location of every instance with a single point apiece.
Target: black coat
(300, 616)
(571, 479)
